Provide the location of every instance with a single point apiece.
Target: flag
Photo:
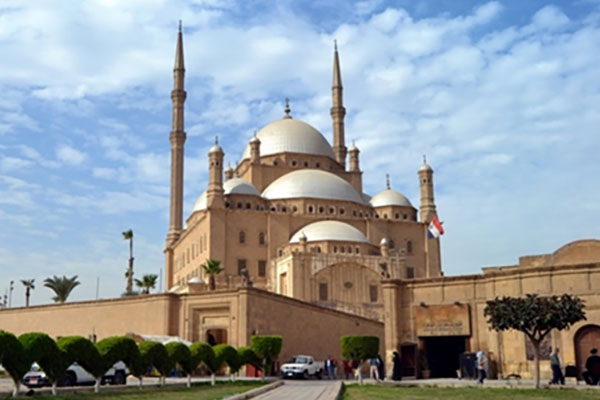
(435, 229)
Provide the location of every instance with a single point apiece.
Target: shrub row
(54, 357)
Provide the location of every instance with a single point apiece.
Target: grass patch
(200, 391)
(376, 392)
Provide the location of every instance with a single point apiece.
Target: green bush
(267, 348)
(248, 356)
(359, 347)
(12, 356)
(42, 349)
(154, 354)
(120, 348)
(82, 351)
(227, 354)
(180, 355)
(203, 353)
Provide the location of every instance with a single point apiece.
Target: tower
(177, 139)
(354, 162)
(338, 112)
(255, 150)
(215, 194)
(427, 211)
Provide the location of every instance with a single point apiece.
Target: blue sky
(503, 98)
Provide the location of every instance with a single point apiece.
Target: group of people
(591, 375)
(376, 368)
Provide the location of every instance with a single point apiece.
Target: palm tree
(211, 268)
(128, 235)
(28, 283)
(62, 287)
(147, 282)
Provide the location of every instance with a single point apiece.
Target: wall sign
(443, 320)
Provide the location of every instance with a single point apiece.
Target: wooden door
(586, 339)
(408, 360)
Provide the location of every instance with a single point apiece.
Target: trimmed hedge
(180, 355)
(267, 348)
(12, 356)
(227, 354)
(42, 349)
(120, 348)
(203, 353)
(82, 351)
(359, 347)
(248, 356)
(154, 354)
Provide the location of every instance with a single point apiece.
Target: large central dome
(291, 136)
(311, 183)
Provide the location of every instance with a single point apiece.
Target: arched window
(261, 238)
(242, 237)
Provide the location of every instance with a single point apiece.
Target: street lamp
(10, 290)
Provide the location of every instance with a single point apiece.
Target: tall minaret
(177, 138)
(215, 193)
(338, 111)
(427, 211)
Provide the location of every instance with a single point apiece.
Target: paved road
(303, 390)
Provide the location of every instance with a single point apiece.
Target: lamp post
(10, 290)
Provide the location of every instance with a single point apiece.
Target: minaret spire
(338, 112)
(177, 138)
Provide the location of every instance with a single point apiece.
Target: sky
(501, 96)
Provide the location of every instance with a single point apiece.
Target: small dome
(425, 167)
(311, 183)
(215, 149)
(291, 136)
(195, 280)
(200, 203)
(255, 139)
(329, 230)
(239, 186)
(389, 197)
(383, 242)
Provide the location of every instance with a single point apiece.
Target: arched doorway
(586, 338)
(216, 336)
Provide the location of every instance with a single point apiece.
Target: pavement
(304, 390)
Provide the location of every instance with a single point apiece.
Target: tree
(181, 356)
(212, 268)
(128, 235)
(29, 286)
(40, 348)
(267, 348)
(82, 351)
(359, 348)
(147, 282)
(534, 316)
(202, 352)
(120, 348)
(62, 287)
(13, 359)
(154, 354)
(230, 356)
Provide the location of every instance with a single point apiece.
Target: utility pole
(10, 290)
(97, 287)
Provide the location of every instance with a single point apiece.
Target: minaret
(338, 111)
(354, 163)
(427, 211)
(215, 194)
(255, 150)
(177, 139)
(228, 173)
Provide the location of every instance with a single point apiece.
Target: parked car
(76, 375)
(302, 367)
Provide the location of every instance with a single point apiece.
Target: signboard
(450, 320)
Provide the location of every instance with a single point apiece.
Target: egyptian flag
(435, 229)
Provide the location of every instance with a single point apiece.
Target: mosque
(308, 255)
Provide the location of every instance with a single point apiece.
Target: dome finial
(287, 109)
(387, 181)
(179, 25)
(216, 139)
(335, 44)
(424, 159)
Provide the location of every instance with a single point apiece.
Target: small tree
(534, 316)
(13, 358)
(154, 354)
(230, 356)
(212, 268)
(267, 348)
(248, 356)
(62, 287)
(29, 286)
(181, 356)
(147, 282)
(359, 348)
(40, 348)
(81, 350)
(203, 353)
(120, 348)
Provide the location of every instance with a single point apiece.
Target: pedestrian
(355, 367)
(329, 367)
(396, 373)
(373, 370)
(557, 375)
(334, 365)
(347, 369)
(592, 366)
(380, 367)
(482, 366)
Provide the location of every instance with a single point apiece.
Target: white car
(76, 375)
(302, 367)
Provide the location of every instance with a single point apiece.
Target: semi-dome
(240, 186)
(329, 230)
(389, 197)
(311, 183)
(291, 136)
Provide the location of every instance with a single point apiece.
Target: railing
(366, 310)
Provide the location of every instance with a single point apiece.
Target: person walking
(380, 367)
(347, 369)
(396, 372)
(335, 367)
(374, 371)
(557, 375)
(482, 366)
(329, 367)
(592, 365)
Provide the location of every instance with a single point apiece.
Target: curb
(340, 392)
(255, 392)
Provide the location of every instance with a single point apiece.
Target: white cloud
(70, 155)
